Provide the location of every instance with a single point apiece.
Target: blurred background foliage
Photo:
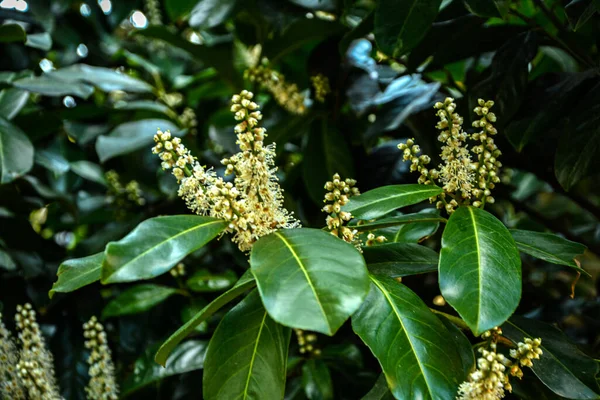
(84, 85)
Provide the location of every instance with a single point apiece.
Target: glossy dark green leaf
(6, 261)
(400, 259)
(205, 281)
(188, 356)
(12, 33)
(324, 274)
(480, 268)
(12, 100)
(413, 233)
(563, 368)
(316, 380)
(16, 152)
(463, 346)
(42, 41)
(210, 13)
(156, 245)
(549, 247)
(509, 75)
(379, 391)
(105, 79)
(246, 282)
(52, 160)
(131, 136)
(76, 273)
(247, 355)
(84, 133)
(378, 202)
(578, 12)
(49, 86)
(398, 221)
(146, 105)
(325, 154)
(179, 9)
(578, 147)
(400, 25)
(409, 341)
(137, 299)
(488, 8)
(89, 170)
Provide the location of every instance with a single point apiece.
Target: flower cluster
(307, 343)
(35, 368)
(491, 378)
(102, 384)
(338, 194)
(153, 11)
(123, 196)
(372, 239)
(188, 120)
(286, 94)
(464, 180)
(321, 85)
(10, 384)
(178, 270)
(253, 203)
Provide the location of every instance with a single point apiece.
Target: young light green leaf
(409, 341)
(400, 259)
(16, 152)
(480, 268)
(131, 136)
(188, 356)
(137, 299)
(247, 355)
(245, 283)
(549, 247)
(156, 245)
(76, 273)
(400, 25)
(563, 368)
(205, 281)
(378, 202)
(316, 380)
(311, 268)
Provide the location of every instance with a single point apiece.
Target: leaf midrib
(389, 300)
(479, 277)
(262, 324)
(305, 272)
(163, 242)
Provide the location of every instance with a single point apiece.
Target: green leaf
(563, 368)
(137, 299)
(179, 9)
(576, 156)
(210, 13)
(205, 281)
(131, 136)
(378, 202)
(398, 221)
(89, 170)
(52, 160)
(480, 268)
(462, 345)
(12, 102)
(246, 282)
(156, 245)
(400, 25)
(146, 105)
(247, 355)
(409, 341)
(549, 247)
(104, 79)
(578, 12)
(317, 380)
(400, 259)
(326, 153)
(76, 273)
(324, 274)
(12, 33)
(487, 8)
(42, 41)
(16, 152)
(188, 356)
(6, 262)
(49, 86)
(379, 391)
